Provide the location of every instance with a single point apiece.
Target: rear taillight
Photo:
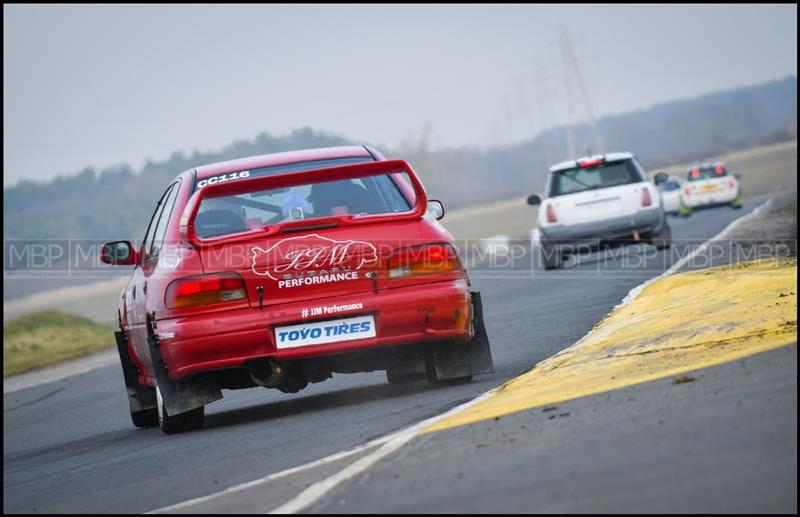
(686, 190)
(731, 184)
(423, 260)
(193, 291)
(646, 199)
(551, 214)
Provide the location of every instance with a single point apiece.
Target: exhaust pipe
(268, 373)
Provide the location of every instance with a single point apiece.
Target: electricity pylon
(579, 107)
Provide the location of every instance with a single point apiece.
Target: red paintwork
(226, 335)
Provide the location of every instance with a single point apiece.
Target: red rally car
(278, 271)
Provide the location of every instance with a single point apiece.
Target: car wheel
(178, 423)
(551, 259)
(663, 239)
(145, 417)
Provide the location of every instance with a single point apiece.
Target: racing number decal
(222, 178)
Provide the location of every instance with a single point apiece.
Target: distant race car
(710, 184)
(671, 194)
(278, 271)
(595, 199)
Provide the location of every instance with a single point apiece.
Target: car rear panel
(710, 191)
(600, 204)
(321, 263)
(709, 186)
(437, 311)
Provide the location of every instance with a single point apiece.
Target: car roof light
(590, 162)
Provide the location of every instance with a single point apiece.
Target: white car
(671, 194)
(710, 184)
(598, 199)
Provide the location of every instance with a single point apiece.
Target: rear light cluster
(551, 214)
(686, 190)
(194, 291)
(646, 199)
(423, 260)
(731, 184)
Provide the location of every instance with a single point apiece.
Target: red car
(278, 271)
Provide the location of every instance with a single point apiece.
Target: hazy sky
(99, 85)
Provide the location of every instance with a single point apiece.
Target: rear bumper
(430, 312)
(645, 221)
(713, 198)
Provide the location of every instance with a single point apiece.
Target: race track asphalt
(69, 445)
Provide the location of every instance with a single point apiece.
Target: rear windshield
(362, 196)
(704, 173)
(602, 175)
(669, 186)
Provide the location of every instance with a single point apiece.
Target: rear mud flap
(140, 397)
(472, 358)
(180, 397)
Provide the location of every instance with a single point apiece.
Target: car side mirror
(660, 178)
(737, 176)
(534, 200)
(436, 208)
(119, 253)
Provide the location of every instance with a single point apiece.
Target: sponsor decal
(321, 332)
(312, 259)
(331, 309)
(223, 178)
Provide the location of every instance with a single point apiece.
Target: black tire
(195, 418)
(141, 399)
(663, 239)
(183, 422)
(551, 259)
(145, 418)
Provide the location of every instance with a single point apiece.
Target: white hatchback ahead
(598, 199)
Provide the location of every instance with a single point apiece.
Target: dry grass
(50, 337)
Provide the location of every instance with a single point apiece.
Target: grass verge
(50, 337)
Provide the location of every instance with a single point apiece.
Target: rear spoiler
(360, 170)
